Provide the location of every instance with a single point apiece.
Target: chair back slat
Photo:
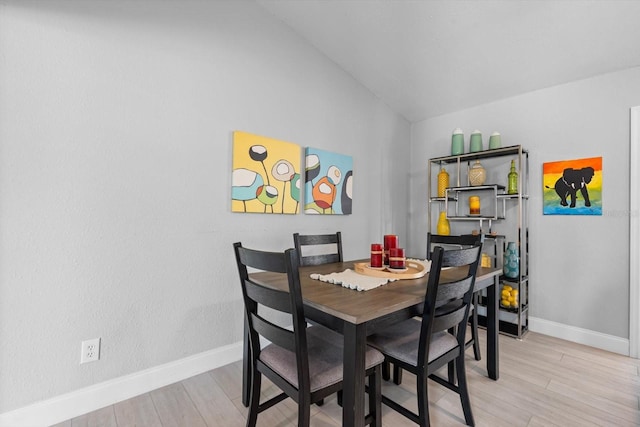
(457, 258)
(321, 259)
(275, 334)
(266, 261)
(451, 241)
(305, 243)
(453, 290)
(443, 322)
(272, 298)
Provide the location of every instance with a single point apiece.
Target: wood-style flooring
(544, 381)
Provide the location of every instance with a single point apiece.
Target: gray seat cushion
(400, 341)
(325, 358)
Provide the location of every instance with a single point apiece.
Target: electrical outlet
(90, 351)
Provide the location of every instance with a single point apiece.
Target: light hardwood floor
(543, 381)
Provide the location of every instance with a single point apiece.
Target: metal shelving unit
(506, 212)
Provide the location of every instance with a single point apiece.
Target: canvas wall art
(328, 183)
(266, 175)
(573, 187)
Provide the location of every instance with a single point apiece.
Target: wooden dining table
(357, 314)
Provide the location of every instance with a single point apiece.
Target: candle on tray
(376, 255)
(396, 258)
(390, 241)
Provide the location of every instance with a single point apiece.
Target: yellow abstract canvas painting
(266, 175)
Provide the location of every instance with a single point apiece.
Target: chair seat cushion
(400, 341)
(325, 358)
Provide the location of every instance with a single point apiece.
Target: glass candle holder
(474, 205)
(376, 255)
(390, 241)
(396, 258)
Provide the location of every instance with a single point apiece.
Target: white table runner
(360, 282)
(352, 280)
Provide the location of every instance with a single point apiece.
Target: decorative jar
(511, 261)
(475, 141)
(477, 174)
(457, 142)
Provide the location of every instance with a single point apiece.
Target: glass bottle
(511, 261)
(443, 182)
(512, 186)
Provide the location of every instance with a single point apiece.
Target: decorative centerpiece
(475, 141)
(477, 174)
(457, 142)
(474, 205)
(443, 182)
(511, 261)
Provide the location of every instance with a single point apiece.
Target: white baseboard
(579, 335)
(71, 405)
(76, 403)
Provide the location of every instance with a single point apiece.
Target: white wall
(579, 266)
(115, 152)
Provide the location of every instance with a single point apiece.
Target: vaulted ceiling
(432, 57)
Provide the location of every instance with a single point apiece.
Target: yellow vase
(443, 182)
(443, 227)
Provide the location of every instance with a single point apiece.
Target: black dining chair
(306, 363)
(458, 242)
(423, 346)
(316, 249)
(449, 242)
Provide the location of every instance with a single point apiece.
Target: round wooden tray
(414, 270)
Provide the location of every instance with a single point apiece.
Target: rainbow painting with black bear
(573, 187)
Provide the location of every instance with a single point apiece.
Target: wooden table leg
(493, 328)
(354, 375)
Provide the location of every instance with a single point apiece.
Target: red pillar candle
(396, 258)
(376, 255)
(390, 241)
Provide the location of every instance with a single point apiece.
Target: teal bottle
(511, 261)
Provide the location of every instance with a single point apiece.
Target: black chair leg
(397, 375)
(340, 398)
(464, 391)
(375, 400)
(474, 328)
(254, 398)
(386, 370)
(423, 401)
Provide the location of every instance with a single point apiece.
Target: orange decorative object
(474, 205)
